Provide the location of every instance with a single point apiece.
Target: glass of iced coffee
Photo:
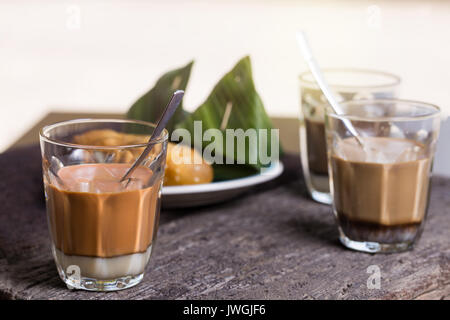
(102, 230)
(380, 182)
(347, 84)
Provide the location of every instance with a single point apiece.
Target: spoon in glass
(162, 122)
(323, 85)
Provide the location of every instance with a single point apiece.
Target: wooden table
(272, 243)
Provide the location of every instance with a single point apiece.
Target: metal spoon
(167, 114)
(323, 85)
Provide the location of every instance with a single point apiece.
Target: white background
(102, 55)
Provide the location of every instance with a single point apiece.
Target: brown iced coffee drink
(378, 197)
(380, 159)
(317, 147)
(104, 227)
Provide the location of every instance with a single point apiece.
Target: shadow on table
(315, 230)
(314, 221)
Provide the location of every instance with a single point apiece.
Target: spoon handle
(167, 114)
(323, 85)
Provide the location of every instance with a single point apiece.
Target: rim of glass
(435, 111)
(395, 80)
(43, 134)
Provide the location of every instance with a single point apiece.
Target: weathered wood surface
(274, 243)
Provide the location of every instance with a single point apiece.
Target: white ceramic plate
(209, 193)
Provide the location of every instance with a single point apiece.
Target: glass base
(90, 284)
(322, 197)
(101, 274)
(319, 188)
(374, 247)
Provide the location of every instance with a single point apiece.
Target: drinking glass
(102, 230)
(347, 84)
(380, 185)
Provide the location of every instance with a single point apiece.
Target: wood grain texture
(273, 243)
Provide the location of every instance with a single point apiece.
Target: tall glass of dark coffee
(348, 84)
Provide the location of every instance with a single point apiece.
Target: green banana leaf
(233, 104)
(150, 106)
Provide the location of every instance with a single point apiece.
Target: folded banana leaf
(235, 104)
(150, 106)
(232, 104)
